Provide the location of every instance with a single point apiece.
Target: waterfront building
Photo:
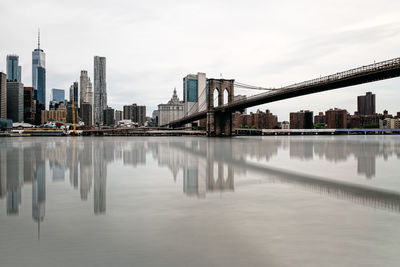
(118, 116)
(171, 111)
(108, 116)
(194, 93)
(366, 104)
(301, 120)
(57, 95)
(87, 113)
(135, 113)
(389, 123)
(259, 120)
(29, 105)
(13, 68)
(59, 115)
(3, 96)
(15, 101)
(336, 119)
(320, 118)
(100, 88)
(285, 125)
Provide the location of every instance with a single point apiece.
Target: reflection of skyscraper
(14, 180)
(3, 173)
(86, 170)
(366, 165)
(100, 176)
(39, 191)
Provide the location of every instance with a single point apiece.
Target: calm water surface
(259, 201)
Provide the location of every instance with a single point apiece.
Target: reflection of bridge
(219, 118)
(360, 194)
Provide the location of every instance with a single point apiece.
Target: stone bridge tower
(219, 122)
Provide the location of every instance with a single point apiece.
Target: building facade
(87, 113)
(54, 115)
(171, 111)
(320, 118)
(13, 68)
(3, 96)
(118, 116)
(194, 93)
(135, 113)
(29, 105)
(301, 120)
(109, 116)
(100, 89)
(15, 101)
(366, 104)
(336, 118)
(41, 85)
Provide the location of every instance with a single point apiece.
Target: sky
(151, 45)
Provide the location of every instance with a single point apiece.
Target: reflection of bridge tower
(219, 123)
(221, 183)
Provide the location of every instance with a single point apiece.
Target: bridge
(219, 118)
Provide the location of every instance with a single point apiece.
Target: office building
(84, 80)
(59, 115)
(100, 89)
(38, 79)
(108, 116)
(301, 120)
(118, 116)
(41, 85)
(366, 104)
(13, 68)
(194, 93)
(336, 118)
(73, 94)
(3, 96)
(171, 111)
(389, 123)
(87, 114)
(29, 105)
(135, 113)
(15, 101)
(57, 95)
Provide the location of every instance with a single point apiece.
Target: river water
(183, 201)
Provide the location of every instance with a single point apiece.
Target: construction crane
(73, 117)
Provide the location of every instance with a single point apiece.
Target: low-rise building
(171, 111)
(54, 115)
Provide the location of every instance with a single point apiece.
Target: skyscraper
(58, 95)
(84, 80)
(194, 92)
(3, 96)
(13, 68)
(100, 88)
(39, 79)
(15, 101)
(73, 93)
(41, 85)
(366, 104)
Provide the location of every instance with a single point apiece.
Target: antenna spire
(38, 39)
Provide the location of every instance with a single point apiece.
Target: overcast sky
(151, 45)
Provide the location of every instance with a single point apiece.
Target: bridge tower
(219, 122)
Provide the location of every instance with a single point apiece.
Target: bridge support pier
(219, 123)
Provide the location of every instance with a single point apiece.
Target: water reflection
(204, 165)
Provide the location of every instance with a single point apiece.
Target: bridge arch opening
(215, 96)
(226, 96)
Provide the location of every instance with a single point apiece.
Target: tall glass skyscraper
(100, 88)
(13, 68)
(58, 95)
(39, 72)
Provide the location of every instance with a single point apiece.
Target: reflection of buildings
(15, 180)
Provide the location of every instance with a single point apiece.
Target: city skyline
(322, 45)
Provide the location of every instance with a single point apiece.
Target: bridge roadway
(356, 193)
(365, 74)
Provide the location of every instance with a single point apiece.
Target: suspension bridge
(219, 118)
